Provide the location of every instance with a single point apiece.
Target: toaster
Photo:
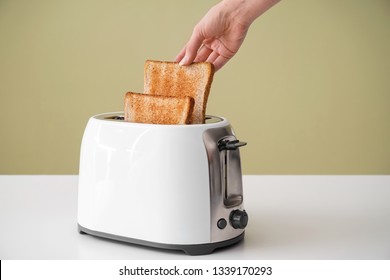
(173, 187)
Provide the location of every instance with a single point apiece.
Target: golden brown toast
(157, 109)
(171, 79)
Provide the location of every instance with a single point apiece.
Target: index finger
(190, 51)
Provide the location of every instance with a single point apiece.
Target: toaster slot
(121, 118)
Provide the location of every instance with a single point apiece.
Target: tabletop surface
(290, 217)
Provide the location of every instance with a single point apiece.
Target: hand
(220, 33)
(216, 39)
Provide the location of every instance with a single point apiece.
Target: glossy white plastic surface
(144, 181)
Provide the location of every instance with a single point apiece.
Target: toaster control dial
(238, 219)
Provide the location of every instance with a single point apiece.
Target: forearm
(246, 11)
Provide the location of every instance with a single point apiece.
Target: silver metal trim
(220, 207)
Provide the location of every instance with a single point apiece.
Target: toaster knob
(238, 219)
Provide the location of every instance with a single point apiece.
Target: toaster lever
(226, 144)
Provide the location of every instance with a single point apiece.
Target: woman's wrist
(246, 11)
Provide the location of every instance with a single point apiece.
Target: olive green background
(309, 89)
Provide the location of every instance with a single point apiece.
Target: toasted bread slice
(157, 109)
(171, 79)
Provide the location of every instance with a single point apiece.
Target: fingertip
(181, 54)
(184, 61)
(178, 58)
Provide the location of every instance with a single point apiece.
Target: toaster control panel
(228, 217)
(238, 220)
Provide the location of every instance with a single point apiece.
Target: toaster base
(190, 249)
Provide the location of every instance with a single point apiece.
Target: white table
(290, 217)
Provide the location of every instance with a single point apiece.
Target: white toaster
(166, 186)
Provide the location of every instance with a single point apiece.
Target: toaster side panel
(226, 194)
